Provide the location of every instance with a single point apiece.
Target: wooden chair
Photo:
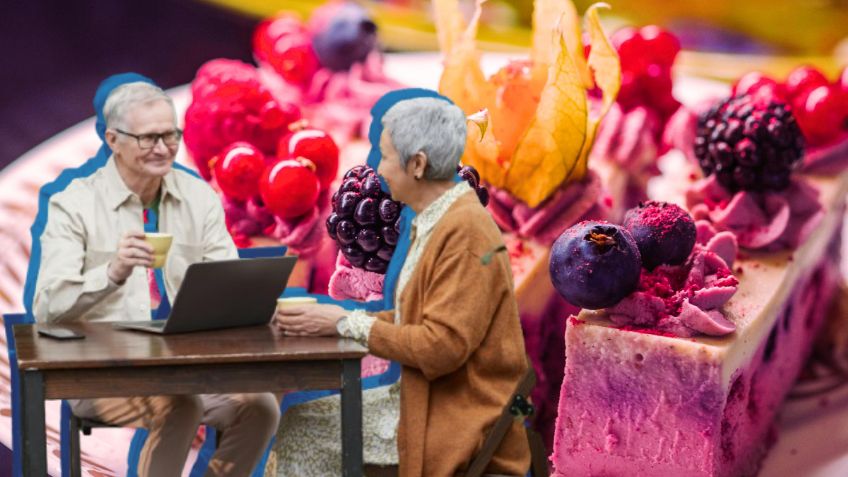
(518, 407)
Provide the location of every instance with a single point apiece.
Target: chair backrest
(9, 322)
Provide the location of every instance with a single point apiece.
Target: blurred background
(55, 53)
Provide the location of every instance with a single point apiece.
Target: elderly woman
(455, 328)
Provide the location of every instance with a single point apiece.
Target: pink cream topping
(302, 235)
(352, 283)
(767, 221)
(571, 203)
(628, 139)
(338, 101)
(685, 300)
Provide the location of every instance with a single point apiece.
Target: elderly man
(96, 266)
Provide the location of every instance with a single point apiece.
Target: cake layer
(638, 403)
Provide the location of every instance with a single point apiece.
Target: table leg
(351, 418)
(33, 428)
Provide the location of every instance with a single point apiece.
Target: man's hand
(133, 251)
(309, 320)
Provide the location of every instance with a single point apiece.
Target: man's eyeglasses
(148, 141)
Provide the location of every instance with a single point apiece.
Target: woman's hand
(309, 320)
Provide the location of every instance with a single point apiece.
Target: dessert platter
(674, 259)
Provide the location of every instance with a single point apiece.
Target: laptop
(223, 294)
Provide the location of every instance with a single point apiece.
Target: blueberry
(346, 38)
(595, 264)
(664, 232)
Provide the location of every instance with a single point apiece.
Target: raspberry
(664, 233)
(749, 144)
(229, 104)
(365, 220)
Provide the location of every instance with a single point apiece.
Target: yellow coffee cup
(161, 243)
(295, 301)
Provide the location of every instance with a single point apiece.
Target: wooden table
(118, 363)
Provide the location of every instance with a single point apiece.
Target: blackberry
(749, 144)
(365, 221)
(470, 175)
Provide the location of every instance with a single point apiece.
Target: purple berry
(346, 204)
(350, 185)
(749, 143)
(366, 212)
(365, 221)
(371, 186)
(346, 232)
(354, 255)
(595, 264)
(389, 210)
(346, 37)
(386, 252)
(368, 240)
(483, 195)
(664, 233)
(375, 264)
(468, 174)
(332, 223)
(354, 172)
(390, 236)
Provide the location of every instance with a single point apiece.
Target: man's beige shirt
(86, 221)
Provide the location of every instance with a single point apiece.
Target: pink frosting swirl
(571, 203)
(302, 235)
(685, 300)
(766, 221)
(338, 102)
(351, 283)
(628, 139)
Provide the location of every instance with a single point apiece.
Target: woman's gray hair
(429, 125)
(122, 98)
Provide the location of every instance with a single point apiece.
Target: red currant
(657, 80)
(315, 145)
(238, 169)
(293, 58)
(289, 188)
(631, 49)
(750, 82)
(802, 79)
(819, 113)
(662, 46)
(630, 93)
(269, 31)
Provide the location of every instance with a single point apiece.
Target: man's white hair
(123, 98)
(429, 125)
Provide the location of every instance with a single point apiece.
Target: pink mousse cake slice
(642, 402)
